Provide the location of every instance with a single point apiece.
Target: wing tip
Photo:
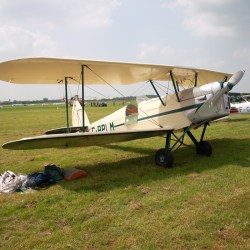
(8, 145)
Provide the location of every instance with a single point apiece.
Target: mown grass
(126, 202)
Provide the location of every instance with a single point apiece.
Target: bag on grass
(53, 172)
(9, 182)
(39, 180)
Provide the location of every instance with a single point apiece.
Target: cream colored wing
(52, 70)
(80, 139)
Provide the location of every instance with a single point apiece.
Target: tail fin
(77, 115)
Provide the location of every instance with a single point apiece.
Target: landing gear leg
(202, 147)
(163, 156)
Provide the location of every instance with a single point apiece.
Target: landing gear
(164, 158)
(204, 148)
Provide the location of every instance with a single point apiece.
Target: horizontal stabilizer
(65, 130)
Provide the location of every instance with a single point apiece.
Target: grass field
(127, 202)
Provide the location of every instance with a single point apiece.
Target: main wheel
(164, 158)
(204, 148)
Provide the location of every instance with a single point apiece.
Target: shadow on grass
(240, 118)
(142, 170)
(144, 151)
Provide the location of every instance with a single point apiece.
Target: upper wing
(79, 139)
(52, 70)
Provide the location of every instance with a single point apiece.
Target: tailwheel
(164, 158)
(204, 148)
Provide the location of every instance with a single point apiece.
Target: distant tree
(45, 99)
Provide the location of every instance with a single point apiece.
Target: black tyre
(204, 148)
(164, 158)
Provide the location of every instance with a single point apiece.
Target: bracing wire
(141, 88)
(97, 92)
(91, 89)
(105, 81)
(61, 92)
(70, 91)
(151, 119)
(162, 87)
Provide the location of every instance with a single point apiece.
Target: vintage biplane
(199, 97)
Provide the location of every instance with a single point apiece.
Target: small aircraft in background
(204, 98)
(241, 106)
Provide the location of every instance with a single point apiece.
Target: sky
(210, 34)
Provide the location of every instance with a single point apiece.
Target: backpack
(39, 180)
(53, 172)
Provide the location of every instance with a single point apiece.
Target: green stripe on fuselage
(166, 113)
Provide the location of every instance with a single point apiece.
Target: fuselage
(174, 114)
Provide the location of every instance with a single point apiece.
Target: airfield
(127, 202)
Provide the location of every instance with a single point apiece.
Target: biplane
(199, 97)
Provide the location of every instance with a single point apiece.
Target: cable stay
(157, 92)
(150, 118)
(97, 92)
(105, 81)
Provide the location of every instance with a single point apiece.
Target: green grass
(126, 202)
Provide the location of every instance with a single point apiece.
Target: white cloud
(17, 42)
(214, 18)
(44, 28)
(155, 52)
(164, 54)
(92, 14)
(206, 25)
(47, 14)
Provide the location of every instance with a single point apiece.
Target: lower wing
(81, 139)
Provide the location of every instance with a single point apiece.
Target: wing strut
(195, 79)
(67, 104)
(177, 85)
(157, 92)
(83, 107)
(175, 89)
